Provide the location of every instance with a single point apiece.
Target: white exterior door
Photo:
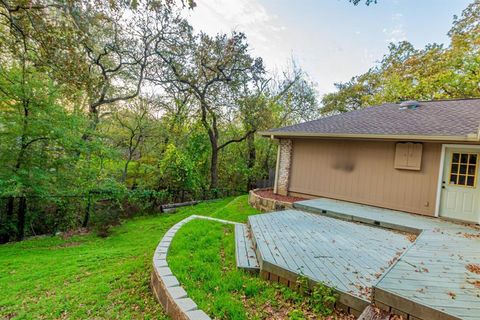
(460, 197)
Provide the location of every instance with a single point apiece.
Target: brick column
(282, 174)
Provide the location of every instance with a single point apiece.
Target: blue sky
(332, 39)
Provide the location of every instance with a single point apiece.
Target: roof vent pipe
(410, 104)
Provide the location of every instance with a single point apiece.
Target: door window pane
(463, 169)
(455, 157)
(473, 159)
(471, 181)
(453, 179)
(472, 169)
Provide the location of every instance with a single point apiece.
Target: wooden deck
(341, 245)
(347, 256)
(244, 252)
(386, 218)
(431, 279)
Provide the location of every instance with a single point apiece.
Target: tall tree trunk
(94, 119)
(212, 131)
(10, 206)
(251, 158)
(86, 217)
(22, 210)
(125, 170)
(7, 233)
(214, 167)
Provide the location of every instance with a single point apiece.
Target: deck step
(244, 252)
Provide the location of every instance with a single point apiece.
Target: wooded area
(109, 108)
(112, 108)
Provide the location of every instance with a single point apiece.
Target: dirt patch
(9, 316)
(69, 244)
(68, 234)
(286, 310)
(270, 195)
(473, 268)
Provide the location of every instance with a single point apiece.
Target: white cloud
(397, 33)
(263, 29)
(322, 53)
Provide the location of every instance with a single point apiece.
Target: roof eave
(284, 134)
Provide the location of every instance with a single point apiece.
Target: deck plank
(345, 255)
(244, 253)
(340, 244)
(358, 212)
(446, 284)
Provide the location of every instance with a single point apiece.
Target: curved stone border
(166, 286)
(266, 204)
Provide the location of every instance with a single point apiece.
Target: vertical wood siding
(363, 172)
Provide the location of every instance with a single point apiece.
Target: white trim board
(441, 170)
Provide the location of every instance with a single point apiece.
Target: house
(418, 157)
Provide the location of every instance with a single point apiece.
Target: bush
(320, 298)
(106, 213)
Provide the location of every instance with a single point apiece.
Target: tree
(36, 143)
(274, 102)
(212, 71)
(135, 125)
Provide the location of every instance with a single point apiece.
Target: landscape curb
(165, 285)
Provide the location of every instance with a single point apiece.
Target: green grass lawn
(202, 256)
(91, 277)
(87, 277)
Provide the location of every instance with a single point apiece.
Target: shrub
(106, 213)
(320, 298)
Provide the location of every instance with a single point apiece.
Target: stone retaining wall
(266, 204)
(165, 285)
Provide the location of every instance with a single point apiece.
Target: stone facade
(284, 160)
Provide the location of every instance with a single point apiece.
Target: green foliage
(82, 276)
(319, 297)
(177, 170)
(38, 134)
(77, 128)
(296, 315)
(107, 214)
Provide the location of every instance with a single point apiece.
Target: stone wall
(165, 285)
(266, 204)
(284, 161)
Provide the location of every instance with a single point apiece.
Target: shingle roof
(431, 118)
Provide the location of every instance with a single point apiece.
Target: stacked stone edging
(165, 285)
(267, 204)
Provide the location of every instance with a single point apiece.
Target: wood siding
(363, 172)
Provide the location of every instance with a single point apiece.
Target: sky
(332, 40)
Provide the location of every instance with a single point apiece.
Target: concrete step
(244, 250)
